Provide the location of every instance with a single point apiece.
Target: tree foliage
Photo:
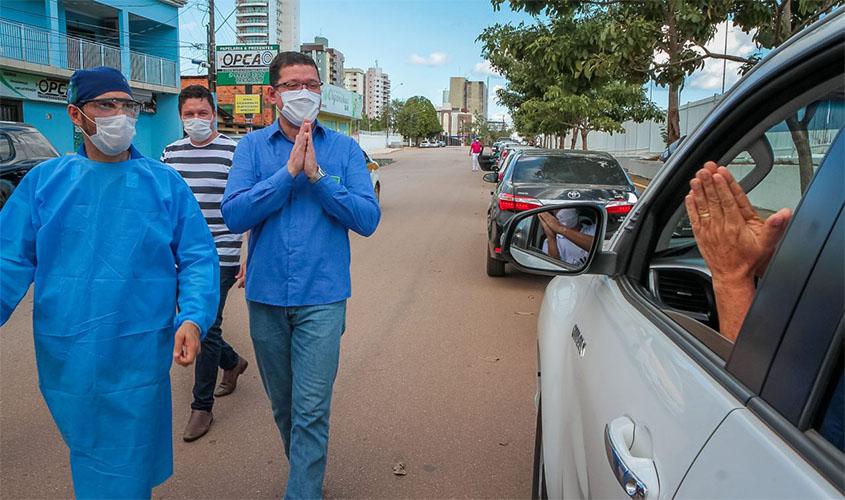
(417, 119)
(551, 90)
(593, 40)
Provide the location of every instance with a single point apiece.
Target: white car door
(627, 384)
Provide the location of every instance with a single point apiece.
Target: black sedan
(536, 177)
(21, 148)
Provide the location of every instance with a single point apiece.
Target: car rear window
(569, 170)
(36, 145)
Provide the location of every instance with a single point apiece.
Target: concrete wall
(647, 137)
(378, 140)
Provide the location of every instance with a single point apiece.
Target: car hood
(569, 192)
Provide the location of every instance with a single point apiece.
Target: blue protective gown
(112, 248)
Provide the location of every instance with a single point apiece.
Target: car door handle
(636, 475)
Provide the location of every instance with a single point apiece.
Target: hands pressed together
(734, 241)
(302, 157)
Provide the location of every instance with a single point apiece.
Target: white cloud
(484, 68)
(433, 59)
(710, 76)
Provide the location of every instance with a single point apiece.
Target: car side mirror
(491, 177)
(562, 239)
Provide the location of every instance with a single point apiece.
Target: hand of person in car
(734, 241)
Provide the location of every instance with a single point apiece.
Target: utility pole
(212, 60)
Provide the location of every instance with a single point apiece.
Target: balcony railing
(39, 46)
(152, 69)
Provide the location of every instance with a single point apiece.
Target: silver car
(638, 394)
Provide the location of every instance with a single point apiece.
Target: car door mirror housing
(560, 239)
(491, 177)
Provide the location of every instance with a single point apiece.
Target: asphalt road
(437, 369)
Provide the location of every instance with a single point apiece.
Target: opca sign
(244, 64)
(245, 56)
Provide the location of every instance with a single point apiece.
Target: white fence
(647, 137)
(370, 141)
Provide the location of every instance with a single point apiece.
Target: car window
(830, 421)
(798, 145)
(569, 170)
(679, 277)
(35, 145)
(7, 152)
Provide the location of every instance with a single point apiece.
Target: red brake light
(511, 203)
(621, 209)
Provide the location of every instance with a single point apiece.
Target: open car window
(775, 169)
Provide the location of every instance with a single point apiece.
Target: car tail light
(619, 208)
(511, 203)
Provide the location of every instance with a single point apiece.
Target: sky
(421, 43)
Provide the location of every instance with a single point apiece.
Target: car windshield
(36, 145)
(569, 170)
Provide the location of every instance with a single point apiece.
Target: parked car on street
(441, 144)
(22, 147)
(373, 167)
(537, 177)
(639, 396)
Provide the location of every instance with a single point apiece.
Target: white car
(373, 167)
(639, 395)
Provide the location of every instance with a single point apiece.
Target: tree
(597, 39)
(370, 124)
(772, 22)
(546, 96)
(418, 119)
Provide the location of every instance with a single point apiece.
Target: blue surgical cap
(87, 84)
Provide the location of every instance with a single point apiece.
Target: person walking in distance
(475, 151)
(204, 158)
(299, 187)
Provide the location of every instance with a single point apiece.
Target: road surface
(437, 369)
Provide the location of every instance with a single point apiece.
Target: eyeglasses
(312, 85)
(111, 107)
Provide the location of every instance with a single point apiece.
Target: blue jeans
(297, 349)
(215, 351)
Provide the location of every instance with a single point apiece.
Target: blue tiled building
(43, 41)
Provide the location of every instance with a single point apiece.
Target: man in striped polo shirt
(204, 158)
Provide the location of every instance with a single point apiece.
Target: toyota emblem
(573, 195)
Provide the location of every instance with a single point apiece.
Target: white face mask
(197, 129)
(300, 105)
(114, 133)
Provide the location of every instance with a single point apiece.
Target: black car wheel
(495, 268)
(538, 482)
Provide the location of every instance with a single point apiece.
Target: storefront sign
(244, 64)
(247, 104)
(342, 102)
(14, 85)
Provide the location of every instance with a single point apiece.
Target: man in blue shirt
(299, 188)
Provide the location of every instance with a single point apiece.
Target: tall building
(477, 98)
(458, 93)
(287, 24)
(252, 22)
(329, 61)
(467, 96)
(377, 95)
(354, 80)
(445, 101)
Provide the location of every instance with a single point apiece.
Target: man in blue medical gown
(126, 281)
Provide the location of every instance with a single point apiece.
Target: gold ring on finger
(704, 215)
